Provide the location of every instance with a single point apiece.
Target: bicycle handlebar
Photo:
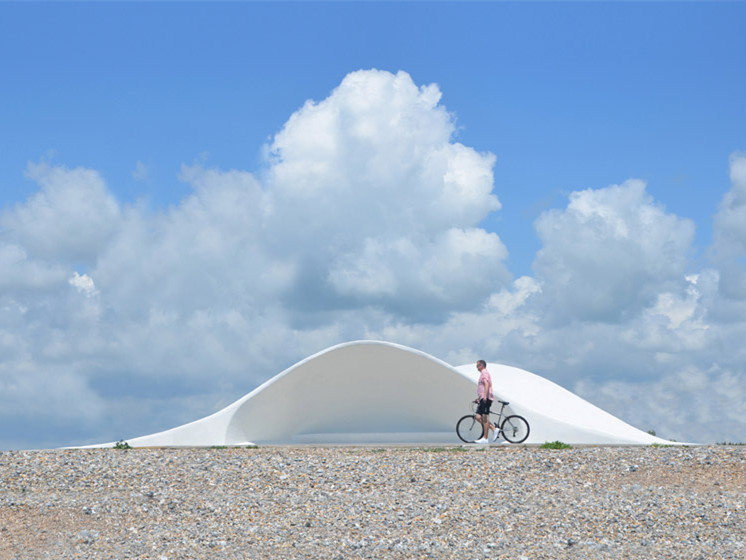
(506, 403)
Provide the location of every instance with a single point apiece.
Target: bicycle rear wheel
(515, 429)
(468, 429)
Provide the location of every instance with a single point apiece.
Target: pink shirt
(484, 377)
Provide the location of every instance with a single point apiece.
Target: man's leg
(484, 420)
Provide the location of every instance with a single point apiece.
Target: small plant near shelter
(556, 445)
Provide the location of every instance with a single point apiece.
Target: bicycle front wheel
(468, 429)
(515, 429)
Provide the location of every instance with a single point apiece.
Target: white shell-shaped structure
(378, 392)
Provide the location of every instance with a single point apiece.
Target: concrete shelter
(378, 392)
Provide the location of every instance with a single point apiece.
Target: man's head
(481, 364)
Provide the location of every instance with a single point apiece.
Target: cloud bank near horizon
(118, 320)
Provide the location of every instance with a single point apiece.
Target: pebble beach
(460, 502)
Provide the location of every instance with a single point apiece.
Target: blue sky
(567, 95)
(122, 118)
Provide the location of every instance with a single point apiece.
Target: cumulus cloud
(688, 405)
(364, 222)
(366, 212)
(730, 221)
(378, 154)
(610, 253)
(370, 197)
(84, 284)
(410, 274)
(72, 217)
(21, 274)
(729, 234)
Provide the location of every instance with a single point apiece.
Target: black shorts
(484, 406)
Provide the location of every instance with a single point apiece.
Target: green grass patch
(555, 445)
(121, 444)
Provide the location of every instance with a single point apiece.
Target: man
(484, 400)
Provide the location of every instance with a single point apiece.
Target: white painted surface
(379, 392)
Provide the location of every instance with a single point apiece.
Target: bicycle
(513, 428)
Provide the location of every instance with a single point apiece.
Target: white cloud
(457, 269)
(367, 213)
(377, 154)
(688, 405)
(508, 302)
(610, 253)
(84, 284)
(730, 221)
(72, 217)
(729, 235)
(369, 197)
(47, 393)
(364, 223)
(20, 274)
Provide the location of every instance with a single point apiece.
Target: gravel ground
(365, 502)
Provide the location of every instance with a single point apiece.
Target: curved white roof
(380, 392)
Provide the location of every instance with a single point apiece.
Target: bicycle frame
(499, 414)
